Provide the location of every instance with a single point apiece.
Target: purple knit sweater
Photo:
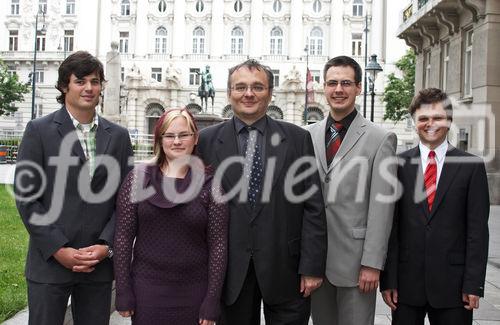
(180, 251)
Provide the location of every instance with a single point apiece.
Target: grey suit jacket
(359, 221)
(78, 223)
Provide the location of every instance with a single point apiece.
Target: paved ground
(487, 314)
(489, 310)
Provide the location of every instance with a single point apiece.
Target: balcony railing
(407, 12)
(159, 56)
(40, 55)
(235, 57)
(275, 57)
(196, 57)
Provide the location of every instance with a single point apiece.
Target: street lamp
(33, 79)
(373, 68)
(366, 30)
(306, 49)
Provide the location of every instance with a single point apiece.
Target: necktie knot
(432, 154)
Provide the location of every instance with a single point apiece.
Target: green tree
(399, 91)
(11, 90)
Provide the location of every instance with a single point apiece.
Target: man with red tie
(438, 249)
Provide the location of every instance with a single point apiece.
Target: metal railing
(142, 144)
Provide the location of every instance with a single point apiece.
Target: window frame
(276, 41)
(156, 74)
(70, 7)
(123, 42)
(161, 40)
(14, 7)
(237, 40)
(125, 8)
(198, 40)
(13, 40)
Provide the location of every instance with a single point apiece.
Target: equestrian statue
(206, 88)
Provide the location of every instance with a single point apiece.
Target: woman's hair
(163, 124)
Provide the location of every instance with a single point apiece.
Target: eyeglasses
(256, 89)
(170, 137)
(343, 83)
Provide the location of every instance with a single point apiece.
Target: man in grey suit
(69, 167)
(354, 163)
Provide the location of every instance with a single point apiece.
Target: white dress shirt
(440, 155)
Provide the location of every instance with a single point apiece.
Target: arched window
(317, 6)
(161, 40)
(238, 6)
(237, 41)
(227, 112)
(277, 5)
(316, 41)
(162, 6)
(314, 114)
(125, 8)
(275, 112)
(153, 113)
(198, 40)
(357, 8)
(194, 108)
(276, 45)
(199, 6)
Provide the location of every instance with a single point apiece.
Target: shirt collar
(346, 121)
(95, 120)
(440, 150)
(260, 124)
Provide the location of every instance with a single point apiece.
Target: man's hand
(89, 257)
(126, 313)
(390, 297)
(67, 257)
(471, 300)
(308, 284)
(368, 279)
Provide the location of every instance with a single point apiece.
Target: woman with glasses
(171, 233)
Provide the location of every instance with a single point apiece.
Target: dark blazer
(286, 239)
(435, 257)
(79, 224)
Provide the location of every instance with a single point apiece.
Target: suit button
(327, 179)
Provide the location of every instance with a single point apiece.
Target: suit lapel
(318, 137)
(66, 128)
(450, 169)
(102, 139)
(417, 179)
(225, 148)
(355, 131)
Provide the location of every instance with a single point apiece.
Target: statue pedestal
(204, 120)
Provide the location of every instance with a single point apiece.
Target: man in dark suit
(438, 248)
(277, 242)
(69, 167)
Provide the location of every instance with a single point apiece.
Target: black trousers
(90, 303)
(247, 308)
(415, 315)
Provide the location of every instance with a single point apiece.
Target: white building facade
(162, 45)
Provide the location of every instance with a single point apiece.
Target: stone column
(336, 29)
(179, 36)
(217, 41)
(297, 39)
(142, 44)
(256, 36)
